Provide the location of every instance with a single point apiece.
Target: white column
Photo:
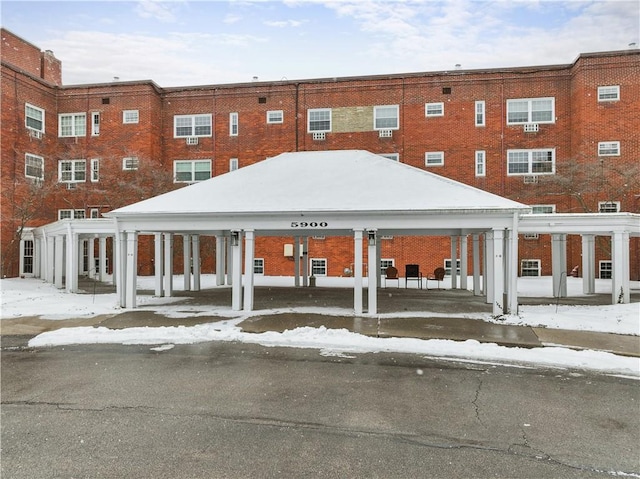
(559, 264)
(588, 264)
(131, 269)
(236, 260)
(372, 273)
(454, 262)
(186, 247)
(463, 262)
(249, 255)
(92, 258)
(476, 265)
(357, 273)
(620, 274)
(296, 261)
(512, 269)
(305, 261)
(21, 254)
(157, 261)
(121, 267)
(71, 280)
(37, 257)
(229, 262)
(195, 254)
(498, 272)
(379, 256)
(58, 268)
(102, 254)
(50, 245)
(168, 264)
(220, 260)
(489, 272)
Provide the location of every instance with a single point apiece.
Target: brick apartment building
(561, 138)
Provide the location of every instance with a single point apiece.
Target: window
(391, 156)
(480, 107)
(434, 109)
(385, 263)
(95, 170)
(530, 267)
(609, 93)
(33, 166)
(276, 116)
(94, 213)
(319, 120)
(608, 207)
(72, 124)
(258, 266)
(543, 209)
(34, 117)
(233, 124)
(130, 116)
(481, 163)
(185, 171)
(72, 171)
(191, 125)
(71, 214)
(318, 266)
(434, 158)
(606, 269)
(531, 110)
(95, 123)
(609, 148)
(130, 163)
(528, 162)
(386, 117)
(233, 164)
(447, 266)
(27, 257)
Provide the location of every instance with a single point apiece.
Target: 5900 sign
(309, 224)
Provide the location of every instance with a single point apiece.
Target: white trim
(193, 172)
(609, 93)
(234, 124)
(26, 118)
(73, 171)
(608, 148)
(433, 109)
(480, 114)
(311, 111)
(130, 163)
(78, 124)
(275, 117)
(384, 127)
(190, 122)
(434, 158)
(95, 123)
(531, 116)
(130, 117)
(27, 157)
(481, 163)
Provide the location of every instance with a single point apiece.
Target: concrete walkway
(456, 304)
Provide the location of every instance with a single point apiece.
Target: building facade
(561, 138)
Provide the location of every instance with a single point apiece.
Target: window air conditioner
(192, 140)
(530, 179)
(531, 127)
(385, 133)
(71, 186)
(35, 134)
(319, 135)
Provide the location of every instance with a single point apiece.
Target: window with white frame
(434, 109)
(72, 124)
(190, 171)
(94, 213)
(543, 209)
(386, 117)
(68, 214)
(391, 156)
(608, 206)
(480, 113)
(434, 158)
(318, 266)
(33, 166)
(531, 110)
(275, 116)
(481, 163)
(530, 267)
(27, 257)
(34, 117)
(258, 265)
(72, 171)
(233, 124)
(130, 116)
(191, 125)
(130, 163)
(233, 164)
(319, 120)
(95, 123)
(447, 266)
(385, 263)
(609, 93)
(609, 148)
(95, 170)
(605, 269)
(531, 162)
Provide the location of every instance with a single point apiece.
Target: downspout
(297, 114)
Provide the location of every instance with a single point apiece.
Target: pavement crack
(475, 401)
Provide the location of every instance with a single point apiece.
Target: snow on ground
(33, 297)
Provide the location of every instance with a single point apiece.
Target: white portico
(333, 193)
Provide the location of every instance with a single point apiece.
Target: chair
(391, 273)
(412, 272)
(438, 275)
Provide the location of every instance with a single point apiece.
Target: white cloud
(283, 23)
(161, 11)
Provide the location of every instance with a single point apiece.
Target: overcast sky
(182, 43)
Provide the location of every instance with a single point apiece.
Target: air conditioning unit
(35, 134)
(192, 140)
(531, 236)
(530, 179)
(318, 136)
(531, 127)
(72, 186)
(385, 133)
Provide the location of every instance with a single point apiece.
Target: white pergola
(331, 193)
